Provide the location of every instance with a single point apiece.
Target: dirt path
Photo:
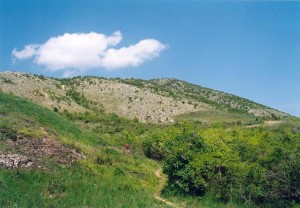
(266, 123)
(162, 182)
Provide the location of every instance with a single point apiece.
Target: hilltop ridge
(155, 100)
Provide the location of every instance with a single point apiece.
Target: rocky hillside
(158, 100)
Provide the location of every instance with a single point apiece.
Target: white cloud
(79, 52)
(133, 55)
(27, 52)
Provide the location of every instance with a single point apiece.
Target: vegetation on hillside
(93, 158)
(255, 166)
(105, 178)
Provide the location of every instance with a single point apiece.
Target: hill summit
(156, 100)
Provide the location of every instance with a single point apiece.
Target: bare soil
(36, 152)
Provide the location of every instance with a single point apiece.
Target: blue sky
(250, 49)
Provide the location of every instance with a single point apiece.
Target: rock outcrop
(11, 161)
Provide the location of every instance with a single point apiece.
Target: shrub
(7, 132)
(178, 163)
(153, 147)
(257, 166)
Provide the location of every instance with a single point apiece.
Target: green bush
(7, 132)
(178, 163)
(153, 148)
(257, 166)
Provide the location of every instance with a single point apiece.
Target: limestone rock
(11, 161)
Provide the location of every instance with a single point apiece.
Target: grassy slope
(106, 178)
(117, 180)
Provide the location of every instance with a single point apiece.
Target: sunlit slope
(158, 100)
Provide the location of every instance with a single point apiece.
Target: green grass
(20, 109)
(28, 118)
(122, 180)
(197, 201)
(74, 187)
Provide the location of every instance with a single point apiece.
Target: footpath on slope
(162, 182)
(266, 123)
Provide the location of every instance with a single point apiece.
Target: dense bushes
(178, 163)
(154, 147)
(256, 166)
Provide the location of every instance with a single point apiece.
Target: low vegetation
(106, 177)
(95, 158)
(252, 166)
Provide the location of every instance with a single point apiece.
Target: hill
(74, 143)
(157, 100)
